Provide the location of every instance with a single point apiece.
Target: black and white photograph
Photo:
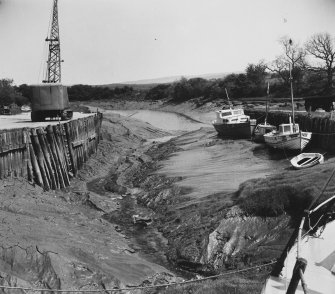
(167, 147)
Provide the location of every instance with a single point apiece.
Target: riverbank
(218, 205)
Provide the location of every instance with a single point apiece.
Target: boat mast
(266, 104)
(291, 84)
(228, 98)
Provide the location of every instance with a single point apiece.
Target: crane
(51, 99)
(53, 72)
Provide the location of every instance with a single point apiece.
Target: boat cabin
(231, 116)
(289, 128)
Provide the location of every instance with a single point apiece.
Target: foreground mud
(63, 239)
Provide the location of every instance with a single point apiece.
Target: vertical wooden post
(56, 159)
(47, 159)
(40, 159)
(67, 127)
(27, 157)
(300, 265)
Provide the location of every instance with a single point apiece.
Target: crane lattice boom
(53, 73)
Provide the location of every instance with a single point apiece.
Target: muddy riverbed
(198, 190)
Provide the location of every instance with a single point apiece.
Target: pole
(291, 83)
(228, 98)
(266, 104)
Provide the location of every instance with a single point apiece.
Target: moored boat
(288, 137)
(305, 160)
(263, 128)
(232, 122)
(308, 265)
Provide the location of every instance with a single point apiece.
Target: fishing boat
(307, 265)
(305, 160)
(288, 136)
(232, 122)
(263, 128)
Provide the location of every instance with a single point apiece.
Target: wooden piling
(68, 133)
(48, 156)
(40, 159)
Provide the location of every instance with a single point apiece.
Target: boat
(232, 122)
(288, 136)
(263, 128)
(305, 160)
(307, 264)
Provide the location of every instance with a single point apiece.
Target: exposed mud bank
(84, 237)
(61, 240)
(209, 229)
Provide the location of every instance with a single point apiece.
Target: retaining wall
(322, 126)
(49, 156)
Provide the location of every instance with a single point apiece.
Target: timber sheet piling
(49, 156)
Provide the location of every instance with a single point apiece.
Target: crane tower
(50, 100)
(53, 72)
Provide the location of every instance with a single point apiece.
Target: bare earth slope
(60, 239)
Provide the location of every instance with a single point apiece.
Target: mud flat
(222, 204)
(216, 205)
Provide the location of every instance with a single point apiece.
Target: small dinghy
(305, 160)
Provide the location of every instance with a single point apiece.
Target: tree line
(310, 66)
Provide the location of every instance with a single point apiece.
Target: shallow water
(164, 120)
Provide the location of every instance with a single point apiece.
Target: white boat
(263, 128)
(288, 136)
(233, 122)
(315, 252)
(305, 160)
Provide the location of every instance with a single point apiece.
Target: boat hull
(318, 251)
(240, 130)
(297, 141)
(305, 160)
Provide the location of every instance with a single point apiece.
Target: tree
(321, 47)
(7, 92)
(294, 56)
(256, 74)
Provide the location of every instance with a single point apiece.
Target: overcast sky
(107, 41)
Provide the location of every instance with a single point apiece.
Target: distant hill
(149, 83)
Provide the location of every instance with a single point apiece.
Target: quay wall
(49, 156)
(321, 125)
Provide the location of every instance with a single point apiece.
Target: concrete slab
(23, 120)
